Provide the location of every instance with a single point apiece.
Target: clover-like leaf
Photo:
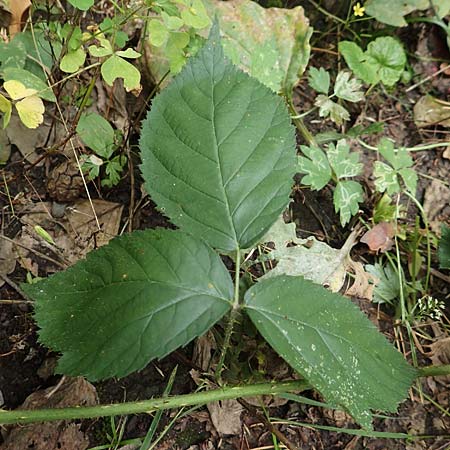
(73, 60)
(316, 167)
(444, 248)
(338, 114)
(346, 198)
(319, 80)
(328, 340)
(398, 158)
(343, 162)
(218, 151)
(348, 88)
(138, 298)
(117, 67)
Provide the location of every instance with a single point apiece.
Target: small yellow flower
(358, 10)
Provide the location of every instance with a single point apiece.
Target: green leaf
(319, 80)
(13, 54)
(393, 13)
(196, 16)
(271, 44)
(385, 178)
(389, 57)
(131, 301)
(30, 81)
(444, 248)
(410, 179)
(343, 163)
(116, 67)
(316, 167)
(387, 287)
(348, 88)
(6, 109)
(327, 339)
(346, 198)
(96, 133)
(356, 60)
(128, 53)
(72, 60)
(218, 151)
(338, 114)
(158, 32)
(397, 158)
(83, 5)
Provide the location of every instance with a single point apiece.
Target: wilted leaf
(319, 80)
(379, 238)
(271, 44)
(316, 167)
(348, 88)
(331, 343)
(338, 114)
(218, 151)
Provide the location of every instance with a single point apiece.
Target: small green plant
(218, 155)
(97, 133)
(383, 61)
(337, 164)
(345, 88)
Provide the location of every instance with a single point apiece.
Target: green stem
(434, 371)
(231, 319)
(298, 122)
(147, 406)
(418, 148)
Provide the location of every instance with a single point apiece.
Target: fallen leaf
(363, 283)
(436, 205)
(7, 258)
(380, 237)
(19, 11)
(431, 111)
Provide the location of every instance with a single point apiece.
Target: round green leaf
(328, 340)
(138, 298)
(73, 60)
(218, 151)
(83, 5)
(116, 67)
(97, 133)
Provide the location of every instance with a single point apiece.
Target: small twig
(428, 78)
(15, 286)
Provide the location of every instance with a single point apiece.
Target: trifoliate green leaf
(328, 340)
(338, 114)
(316, 167)
(398, 158)
(117, 67)
(72, 60)
(444, 248)
(343, 163)
(387, 287)
(319, 80)
(346, 198)
(133, 300)
(348, 88)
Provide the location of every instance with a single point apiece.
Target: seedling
(218, 155)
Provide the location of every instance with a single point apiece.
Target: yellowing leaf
(5, 108)
(31, 111)
(17, 90)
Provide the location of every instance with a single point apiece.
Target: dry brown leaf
(19, 12)
(364, 282)
(59, 434)
(380, 237)
(436, 205)
(431, 111)
(7, 258)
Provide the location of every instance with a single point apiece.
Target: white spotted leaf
(330, 342)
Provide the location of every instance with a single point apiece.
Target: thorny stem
(231, 319)
(152, 405)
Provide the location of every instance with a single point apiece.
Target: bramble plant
(219, 156)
